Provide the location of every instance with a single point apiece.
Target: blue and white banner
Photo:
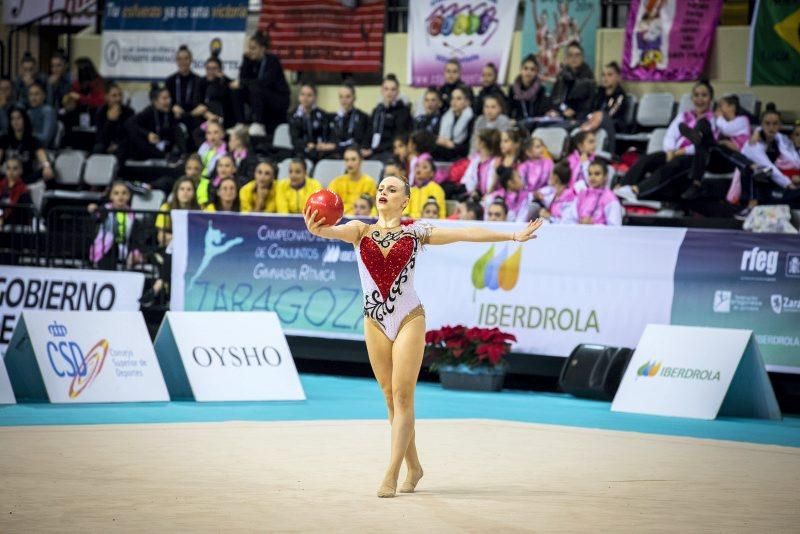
(140, 37)
(574, 284)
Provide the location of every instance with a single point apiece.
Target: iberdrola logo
(497, 271)
(649, 369)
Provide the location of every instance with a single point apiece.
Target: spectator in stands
(400, 151)
(489, 87)
(243, 154)
(192, 169)
(497, 210)
(119, 235)
(227, 196)
(769, 148)
(364, 206)
(556, 199)
(796, 136)
(480, 177)
(59, 81)
(609, 107)
(215, 101)
(432, 112)
(455, 128)
(213, 148)
(110, 121)
(262, 86)
(431, 209)
(43, 117)
(349, 126)
(151, 132)
(20, 142)
(537, 165)
(424, 187)
(85, 97)
(492, 118)
(419, 142)
(308, 126)
(293, 192)
(527, 97)
(224, 168)
(596, 203)
(28, 73)
(184, 89)
(351, 185)
(389, 118)
(468, 211)
(14, 192)
(452, 80)
(665, 174)
(258, 195)
(182, 197)
(511, 148)
(573, 92)
(583, 153)
(6, 101)
(394, 168)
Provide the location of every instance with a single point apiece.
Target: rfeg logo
(497, 271)
(69, 361)
(760, 261)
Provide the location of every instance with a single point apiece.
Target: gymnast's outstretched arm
(444, 236)
(349, 232)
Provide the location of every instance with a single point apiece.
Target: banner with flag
(774, 57)
(325, 35)
(668, 40)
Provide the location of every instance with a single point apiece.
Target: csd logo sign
(68, 360)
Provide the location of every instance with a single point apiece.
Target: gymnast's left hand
(529, 232)
(314, 226)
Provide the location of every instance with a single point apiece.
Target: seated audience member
(20, 142)
(258, 195)
(152, 131)
(293, 192)
(213, 148)
(59, 81)
(120, 236)
(497, 211)
(227, 196)
(430, 210)
(537, 165)
(308, 126)
(424, 187)
(394, 168)
(480, 177)
(225, 168)
(110, 121)
(14, 192)
(390, 118)
(527, 97)
(400, 152)
(489, 87)
(193, 169)
(516, 200)
(452, 79)
(455, 128)
(573, 92)
(351, 185)
(349, 126)
(585, 146)
(43, 117)
(432, 112)
(215, 101)
(28, 73)
(419, 142)
(6, 103)
(243, 154)
(184, 88)
(492, 118)
(87, 94)
(261, 85)
(596, 204)
(609, 107)
(468, 211)
(556, 198)
(364, 206)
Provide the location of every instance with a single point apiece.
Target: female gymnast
(394, 325)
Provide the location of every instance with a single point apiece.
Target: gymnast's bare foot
(388, 487)
(412, 479)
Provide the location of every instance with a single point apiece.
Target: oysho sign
(84, 357)
(227, 356)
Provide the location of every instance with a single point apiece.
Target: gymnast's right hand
(314, 226)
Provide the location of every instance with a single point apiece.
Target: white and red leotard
(386, 260)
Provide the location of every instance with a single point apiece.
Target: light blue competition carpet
(330, 397)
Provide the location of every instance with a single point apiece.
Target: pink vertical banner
(668, 40)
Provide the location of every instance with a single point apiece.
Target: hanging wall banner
(473, 32)
(140, 37)
(550, 25)
(668, 40)
(18, 12)
(326, 35)
(774, 57)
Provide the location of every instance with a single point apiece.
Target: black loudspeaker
(594, 371)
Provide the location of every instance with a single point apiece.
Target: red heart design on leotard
(384, 270)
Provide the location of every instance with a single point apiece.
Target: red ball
(327, 204)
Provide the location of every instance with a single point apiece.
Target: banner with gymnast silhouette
(667, 40)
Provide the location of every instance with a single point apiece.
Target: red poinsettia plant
(473, 347)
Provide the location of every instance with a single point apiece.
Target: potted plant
(468, 358)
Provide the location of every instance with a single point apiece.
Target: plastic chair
(69, 167)
(372, 168)
(282, 139)
(150, 201)
(553, 139)
(327, 169)
(656, 141)
(100, 169)
(655, 110)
